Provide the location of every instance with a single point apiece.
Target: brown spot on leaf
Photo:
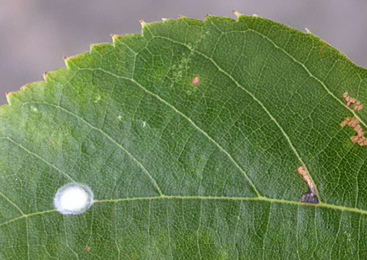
(359, 136)
(352, 101)
(195, 80)
(87, 249)
(310, 196)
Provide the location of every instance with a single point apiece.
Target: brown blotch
(310, 196)
(195, 80)
(359, 136)
(87, 249)
(352, 101)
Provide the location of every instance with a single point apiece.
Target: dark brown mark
(310, 196)
(195, 80)
(359, 136)
(352, 101)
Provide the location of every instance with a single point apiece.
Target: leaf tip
(114, 38)
(44, 76)
(236, 13)
(9, 97)
(142, 22)
(67, 62)
(24, 86)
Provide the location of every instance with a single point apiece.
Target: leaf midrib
(209, 198)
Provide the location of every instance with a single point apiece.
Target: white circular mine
(73, 199)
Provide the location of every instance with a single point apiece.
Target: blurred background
(35, 35)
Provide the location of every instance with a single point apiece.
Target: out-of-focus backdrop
(35, 35)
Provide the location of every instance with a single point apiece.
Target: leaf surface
(190, 136)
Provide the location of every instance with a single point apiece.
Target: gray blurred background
(35, 35)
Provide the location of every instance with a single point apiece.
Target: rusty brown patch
(87, 249)
(359, 136)
(310, 196)
(350, 101)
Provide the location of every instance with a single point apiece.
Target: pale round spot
(73, 199)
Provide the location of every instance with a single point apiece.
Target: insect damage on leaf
(352, 101)
(359, 136)
(116, 102)
(195, 80)
(310, 196)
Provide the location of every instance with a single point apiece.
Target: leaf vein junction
(253, 97)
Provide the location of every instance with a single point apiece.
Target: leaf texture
(190, 136)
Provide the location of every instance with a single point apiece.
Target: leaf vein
(108, 137)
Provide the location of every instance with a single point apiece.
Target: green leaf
(190, 136)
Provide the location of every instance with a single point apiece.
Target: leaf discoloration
(310, 196)
(350, 101)
(359, 136)
(195, 80)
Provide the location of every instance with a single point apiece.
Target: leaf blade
(156, 149)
